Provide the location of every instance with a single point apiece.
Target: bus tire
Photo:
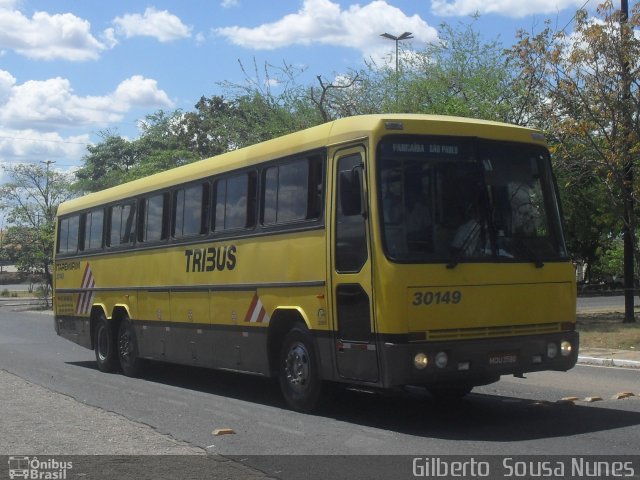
(299, 372)
(130, 361)
(105, 345)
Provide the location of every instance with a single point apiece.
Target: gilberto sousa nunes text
(525, 467)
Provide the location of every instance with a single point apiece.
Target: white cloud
(507, 8)
(324, 22)
(8, 4)
(47, 37)
(200, 38)
(138, 91)
(229, 3)
(28, 146)
(109, 37)
(51, 104)
(160, 25)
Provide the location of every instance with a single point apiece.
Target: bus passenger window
(68, 232)
(94, 224)
(154, 227)
(293, 191)
(235, 202)
(189, 212)
(122, 226)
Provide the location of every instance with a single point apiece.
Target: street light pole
(404, 36)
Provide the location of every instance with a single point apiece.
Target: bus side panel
(155, 311)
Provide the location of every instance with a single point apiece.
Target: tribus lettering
(211, 259)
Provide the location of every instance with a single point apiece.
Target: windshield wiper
(531, 254)
(460, 250)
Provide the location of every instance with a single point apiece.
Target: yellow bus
(381, 251)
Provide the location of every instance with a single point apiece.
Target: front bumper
(476, 362)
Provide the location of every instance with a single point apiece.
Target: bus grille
(491, 332)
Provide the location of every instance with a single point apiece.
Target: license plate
(503, 359)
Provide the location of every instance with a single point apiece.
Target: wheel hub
(297, 366)
(125, 345)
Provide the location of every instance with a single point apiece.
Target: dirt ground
(607, 330)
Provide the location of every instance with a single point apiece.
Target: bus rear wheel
(299, 372)
(104, 345)
(130, 362)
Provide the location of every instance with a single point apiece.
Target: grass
(606, 330)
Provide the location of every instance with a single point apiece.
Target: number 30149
(437, 298)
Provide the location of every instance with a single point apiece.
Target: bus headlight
(442, 359)
(552, 350)
(421, 361)
(565, 348)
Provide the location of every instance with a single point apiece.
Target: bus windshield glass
(455, 200)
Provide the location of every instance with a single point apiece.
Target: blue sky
(70, 69)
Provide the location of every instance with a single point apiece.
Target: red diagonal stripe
(254, 302)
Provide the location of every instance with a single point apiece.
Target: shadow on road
(478, 417)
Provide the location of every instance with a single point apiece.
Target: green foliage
(461, 74)
(116, 160)
(107, 163)
(30, 200)
(583, 91)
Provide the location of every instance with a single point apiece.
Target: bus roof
(320, 136)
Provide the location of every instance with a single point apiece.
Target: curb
(608, 362)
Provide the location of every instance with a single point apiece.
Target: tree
(460, 74)
(116, 160)
(586, 96)
(107, 163)
(30, 200)
(591, 224)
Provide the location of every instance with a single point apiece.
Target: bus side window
(68, 235)
(155, 224)
(93, 227)
(189, 212)
(316, 188)
(292, 191)
(122, 225)
(235, 202)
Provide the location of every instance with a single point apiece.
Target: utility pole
(627, 189)
(47, 199)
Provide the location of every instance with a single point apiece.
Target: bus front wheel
(299, 373)
(104, 345)
(130, 362)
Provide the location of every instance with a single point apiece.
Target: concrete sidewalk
(609, 357)
(39, 423)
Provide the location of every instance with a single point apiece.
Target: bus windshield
(455, 200)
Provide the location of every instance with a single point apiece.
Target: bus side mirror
(351, 192)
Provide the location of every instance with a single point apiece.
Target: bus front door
(354, 332)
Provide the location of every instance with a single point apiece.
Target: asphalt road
(512, 417)
(602, 304)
